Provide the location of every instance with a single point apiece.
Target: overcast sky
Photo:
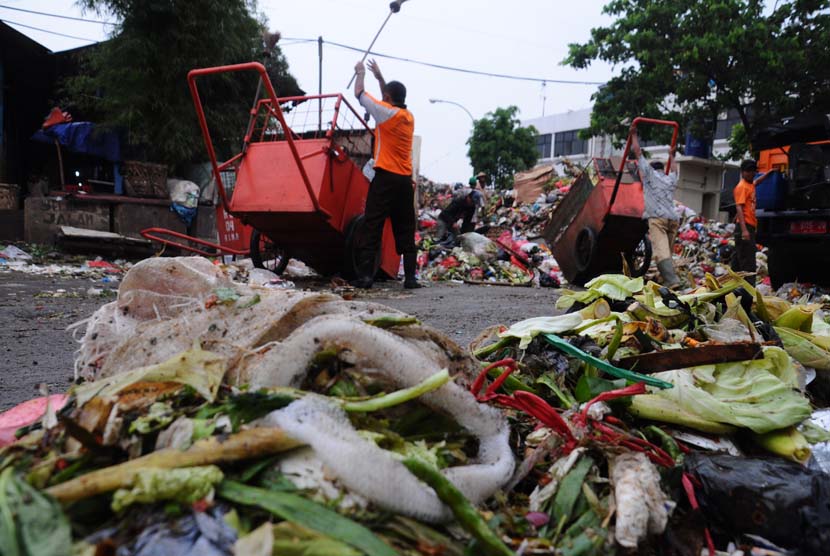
(523, 38)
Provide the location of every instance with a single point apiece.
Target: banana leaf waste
(216, 417)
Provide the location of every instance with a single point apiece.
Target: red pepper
(689, 486)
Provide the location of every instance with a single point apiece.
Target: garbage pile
(44, 261)
(515, 229)
(214, 417)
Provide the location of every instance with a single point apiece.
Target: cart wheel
(586, 244)
(265, 254)
(640, 259)
(354, 239)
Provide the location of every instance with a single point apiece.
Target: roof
(14, 38)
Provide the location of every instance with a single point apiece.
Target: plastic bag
(779, 500)
(479, 246)
(183, 192)
(196, 534)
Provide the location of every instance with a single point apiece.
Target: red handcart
(599, 223)
(296, 188)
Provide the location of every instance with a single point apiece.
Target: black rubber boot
(410, 263)
(364, 277)
(666, 268)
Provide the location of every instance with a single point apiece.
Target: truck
(793, 205)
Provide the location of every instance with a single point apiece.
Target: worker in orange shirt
(743, 259)
(391, 193)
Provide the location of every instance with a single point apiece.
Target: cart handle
(640, 120)
(269, 88)
(154, 234)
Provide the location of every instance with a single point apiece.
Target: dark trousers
(743, 260)
(390, 196)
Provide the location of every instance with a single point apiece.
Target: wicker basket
(143, 179)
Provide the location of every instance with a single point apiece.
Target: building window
(568, 143)
(543, 143)
(723, 127)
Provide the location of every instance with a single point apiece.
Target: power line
(468, 71)
(57, 15)
(47, 31)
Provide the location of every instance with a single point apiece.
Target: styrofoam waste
(13, 253)
(270, 338)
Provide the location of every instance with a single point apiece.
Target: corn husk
(799, 317)
(810, 351)
(787, 443)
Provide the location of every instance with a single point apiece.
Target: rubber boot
(666, 268)
(364, 277)
(410, 263)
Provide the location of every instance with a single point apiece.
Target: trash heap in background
(513, 219)
(519, 256)
(214, 417)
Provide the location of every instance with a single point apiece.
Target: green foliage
(500, 146)
(137, 81)
(690, 61)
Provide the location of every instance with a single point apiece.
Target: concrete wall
(45, 215)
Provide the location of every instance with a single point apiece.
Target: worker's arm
(635, 143)
(380, 111)
(360, 77)
(642, 164)
(375, 69)
(762, 177)
(742, 221)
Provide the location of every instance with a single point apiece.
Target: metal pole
(365, 54)
(320, 84)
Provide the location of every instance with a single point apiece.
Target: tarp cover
(82, 137)
(802, 129)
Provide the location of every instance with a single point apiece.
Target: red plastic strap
(527, 402)
(689, 487)
(634, 389)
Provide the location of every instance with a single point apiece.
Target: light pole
(434, 100)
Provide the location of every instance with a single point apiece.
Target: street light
(434, 100)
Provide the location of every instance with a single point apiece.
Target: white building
(700, 179)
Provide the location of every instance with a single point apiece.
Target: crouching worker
(462, 207)
(658, 193)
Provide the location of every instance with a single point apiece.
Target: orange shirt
(745, 195)
(393, 135)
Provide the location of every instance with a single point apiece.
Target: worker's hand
(359, 68)
(745, 234)
(375, 69)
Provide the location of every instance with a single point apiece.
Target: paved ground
(35, 346)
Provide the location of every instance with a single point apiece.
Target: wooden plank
(691, 357)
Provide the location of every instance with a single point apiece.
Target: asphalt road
(36, 347)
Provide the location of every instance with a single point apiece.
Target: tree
(137, 80)
(500, 146)
(691, 61)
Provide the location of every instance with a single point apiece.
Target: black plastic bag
(773, 498)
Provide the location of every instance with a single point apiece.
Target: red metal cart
(296, 188)
(598, 225)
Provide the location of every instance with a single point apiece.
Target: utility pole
(320, 84)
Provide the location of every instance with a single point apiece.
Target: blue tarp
(81, 137)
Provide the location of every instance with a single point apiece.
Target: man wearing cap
(658, 194)
(391, 193)
(743, 258)
(463, 206)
